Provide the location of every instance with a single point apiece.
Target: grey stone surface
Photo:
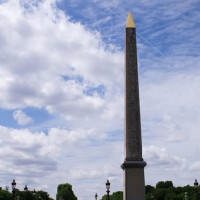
(134, 177)
(133, 166)
(133, 141)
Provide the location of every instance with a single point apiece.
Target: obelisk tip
(130, 23)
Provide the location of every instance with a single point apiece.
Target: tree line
(64, 192)
(164, 190)
(16, 194)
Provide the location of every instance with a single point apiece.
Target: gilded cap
(130, 23)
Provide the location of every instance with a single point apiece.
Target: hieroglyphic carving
(132, 107)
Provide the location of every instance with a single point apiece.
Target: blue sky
(62, 99)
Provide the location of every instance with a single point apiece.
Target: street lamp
(34, 193)
(108, 189)
(25, 188)
(96, 196)
(196, 187)
(13, 184)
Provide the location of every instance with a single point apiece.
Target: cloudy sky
(62, 99)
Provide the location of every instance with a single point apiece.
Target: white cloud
(195, 166)
(160, 157)
(25, 153)
(21, 117)
(35, 158)
(40, 58)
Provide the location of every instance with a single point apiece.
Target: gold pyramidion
(130, 23)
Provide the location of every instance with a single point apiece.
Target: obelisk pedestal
(133, 166)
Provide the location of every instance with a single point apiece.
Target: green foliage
(160, 193)
(164, 184)
(65, 192)
(16, 194)
(171, 196)
(149, 189)
(28, 195)
(44, 195)
(5, 195)
(160, 184)
(166, 191)
(104, 197)
(24, 195)
(115, 196)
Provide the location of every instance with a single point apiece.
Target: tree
(168, 184)
(29, 195)
(171, 196)
(164, 184)
(5, 195)
(44, 195)
(65, 192)
(160, 193)
(24, 195)
(114, 196)
(160, 184)
(149, 189)
(117, 195)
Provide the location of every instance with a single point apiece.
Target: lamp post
(108, 189)
(196, 188)
(96, 196)
(25, 189)
(13, 184)
(34, 193)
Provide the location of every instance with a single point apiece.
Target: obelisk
(133, 166)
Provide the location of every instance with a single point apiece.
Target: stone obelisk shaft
(133, 165)
(132, 105)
